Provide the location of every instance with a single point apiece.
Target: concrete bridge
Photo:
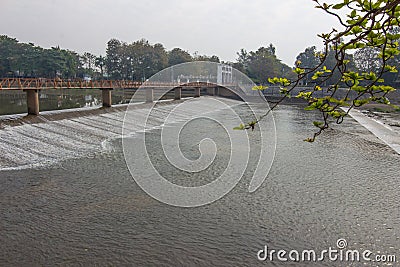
(32, 86)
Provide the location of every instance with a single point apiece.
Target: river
(85, 209)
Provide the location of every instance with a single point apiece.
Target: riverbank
(384, 132)
(381, 120)
(387, 115)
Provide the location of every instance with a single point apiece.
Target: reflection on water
(89, 211)
(14, 101)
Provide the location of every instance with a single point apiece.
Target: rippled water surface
(87, 210)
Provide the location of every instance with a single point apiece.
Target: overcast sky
(220, 27)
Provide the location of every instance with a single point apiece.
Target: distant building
(224, 74)
(87, 78)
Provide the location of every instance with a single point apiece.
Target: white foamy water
(33, 145)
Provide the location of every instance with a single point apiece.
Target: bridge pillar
(211, 91)
(32, 101)
(106, 96)
(149, 95)
(178, 93)
(197, 92)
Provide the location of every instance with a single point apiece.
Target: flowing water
(67, 197)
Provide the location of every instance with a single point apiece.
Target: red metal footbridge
(33, 85)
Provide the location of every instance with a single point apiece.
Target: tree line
(135, 61)
(362, 60)
(27, 60)
(131, 61)
(140, 60)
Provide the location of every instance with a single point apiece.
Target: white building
(224, 74)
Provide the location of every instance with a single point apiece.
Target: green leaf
(383, 100)
(356, 29)
(339, 6)
(317, 75)
(309, 108)
(392, 69)
(240, 127)
(259, 87)
(318, 124)
(353, 14)
(273, 80)
(283, 91)
(299, 71)
(370, 76)
(326, 69)
(336, 114)
(305, 95)
(360, 102)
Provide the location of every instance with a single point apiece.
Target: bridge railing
(57, 83)
(44, 83)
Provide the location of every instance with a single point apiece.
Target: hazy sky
(220, 27)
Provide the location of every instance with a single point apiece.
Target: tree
(8, 55)
(367, 24)
(393, 78)
(146, 59)
(72, 63)
(261, 64)
(197, 57)
(127, 55)
(243, 58)
(242, 61)
(100, 62)
(308, 60)
(366, 59)
(27, 60)
(113, 59)
(159, 59)
(178, 56)
(88, 60)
